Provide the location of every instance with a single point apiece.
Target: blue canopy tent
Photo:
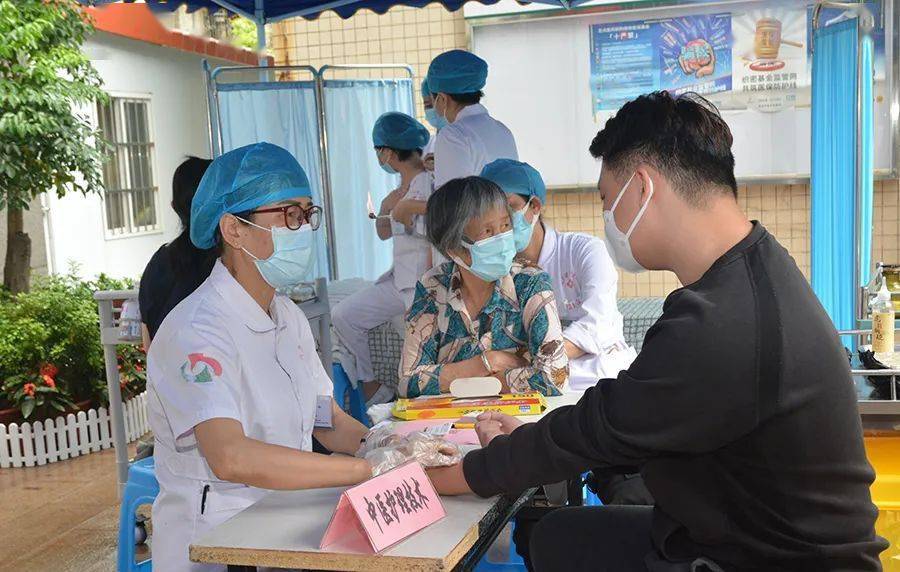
(268, 11)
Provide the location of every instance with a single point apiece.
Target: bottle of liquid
(883, 322)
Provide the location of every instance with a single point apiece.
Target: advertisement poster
(689, 53)
(770, 56)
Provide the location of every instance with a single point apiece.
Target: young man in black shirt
(740, 409)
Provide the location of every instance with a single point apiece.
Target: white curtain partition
(282, 113)
(351, 108)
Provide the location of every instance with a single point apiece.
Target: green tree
(243, 32)
(46, 144)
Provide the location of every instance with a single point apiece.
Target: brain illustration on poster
(688, 53)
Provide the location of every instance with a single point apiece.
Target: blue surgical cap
(456, 72)
(241, 180)
(399, 131)
(426, 91)
(515, 177)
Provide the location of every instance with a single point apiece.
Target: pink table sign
(382, 511)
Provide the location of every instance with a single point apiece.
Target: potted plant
(35, 393)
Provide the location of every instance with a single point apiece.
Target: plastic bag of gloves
(385, 450)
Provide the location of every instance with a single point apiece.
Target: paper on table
(457, 436)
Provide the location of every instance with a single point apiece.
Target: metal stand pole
(326, 178)
(115, 402)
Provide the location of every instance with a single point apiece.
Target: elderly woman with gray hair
(480, 314)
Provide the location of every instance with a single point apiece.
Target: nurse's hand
(403, 212)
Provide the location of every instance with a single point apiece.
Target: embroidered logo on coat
(200, 369)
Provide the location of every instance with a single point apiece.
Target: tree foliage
(47, 142)
(243, 32)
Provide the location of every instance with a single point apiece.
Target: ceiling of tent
(274, 10)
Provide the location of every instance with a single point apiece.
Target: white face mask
(618, 242)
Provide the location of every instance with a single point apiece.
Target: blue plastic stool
(512, 563)
(588, 496)
(357, 401)
(141, 488)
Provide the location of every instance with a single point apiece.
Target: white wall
(174, 81)
(539, 86)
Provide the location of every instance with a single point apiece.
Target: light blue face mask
(435, 120)
(385, 166)
(292, 258)
(492, 257)
(522, 229)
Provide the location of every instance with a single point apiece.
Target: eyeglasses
(296, 216)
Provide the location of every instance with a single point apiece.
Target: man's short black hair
(683, 137)
(467, 98)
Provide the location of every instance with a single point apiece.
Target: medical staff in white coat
(434, 120)
(398, 140)
(237, 390)
(472, 138)
(583, 274)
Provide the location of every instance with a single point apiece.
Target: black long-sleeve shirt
(740, 411)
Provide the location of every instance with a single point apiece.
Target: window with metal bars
(131, 191)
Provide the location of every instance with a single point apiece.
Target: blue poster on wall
(688, 53)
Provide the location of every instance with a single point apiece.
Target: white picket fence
(53, 440)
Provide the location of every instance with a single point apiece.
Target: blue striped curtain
(834, 159)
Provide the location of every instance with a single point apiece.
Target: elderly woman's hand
(501, 361)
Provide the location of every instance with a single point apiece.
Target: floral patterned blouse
(519, 317)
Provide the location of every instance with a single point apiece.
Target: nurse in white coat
(584, 278)
(237, 390)
(434, 120)
(472, 138)
(398, 140)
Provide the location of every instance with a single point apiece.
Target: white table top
(284, 530)
(285, 527)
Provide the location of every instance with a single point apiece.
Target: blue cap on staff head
(515, 177)
(457, 72)
(399, 131)
(241, 180)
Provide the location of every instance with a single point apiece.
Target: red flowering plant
(38, 391)
(132, 370)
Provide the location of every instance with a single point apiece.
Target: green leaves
(44, 79)
(27, 407)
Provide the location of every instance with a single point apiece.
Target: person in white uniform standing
(434, 120)
(237, 390)
(398, 140)
(583, 274)
(472, 138)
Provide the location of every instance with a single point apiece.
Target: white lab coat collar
(548, 249)
(240, 301)
(471, 111)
